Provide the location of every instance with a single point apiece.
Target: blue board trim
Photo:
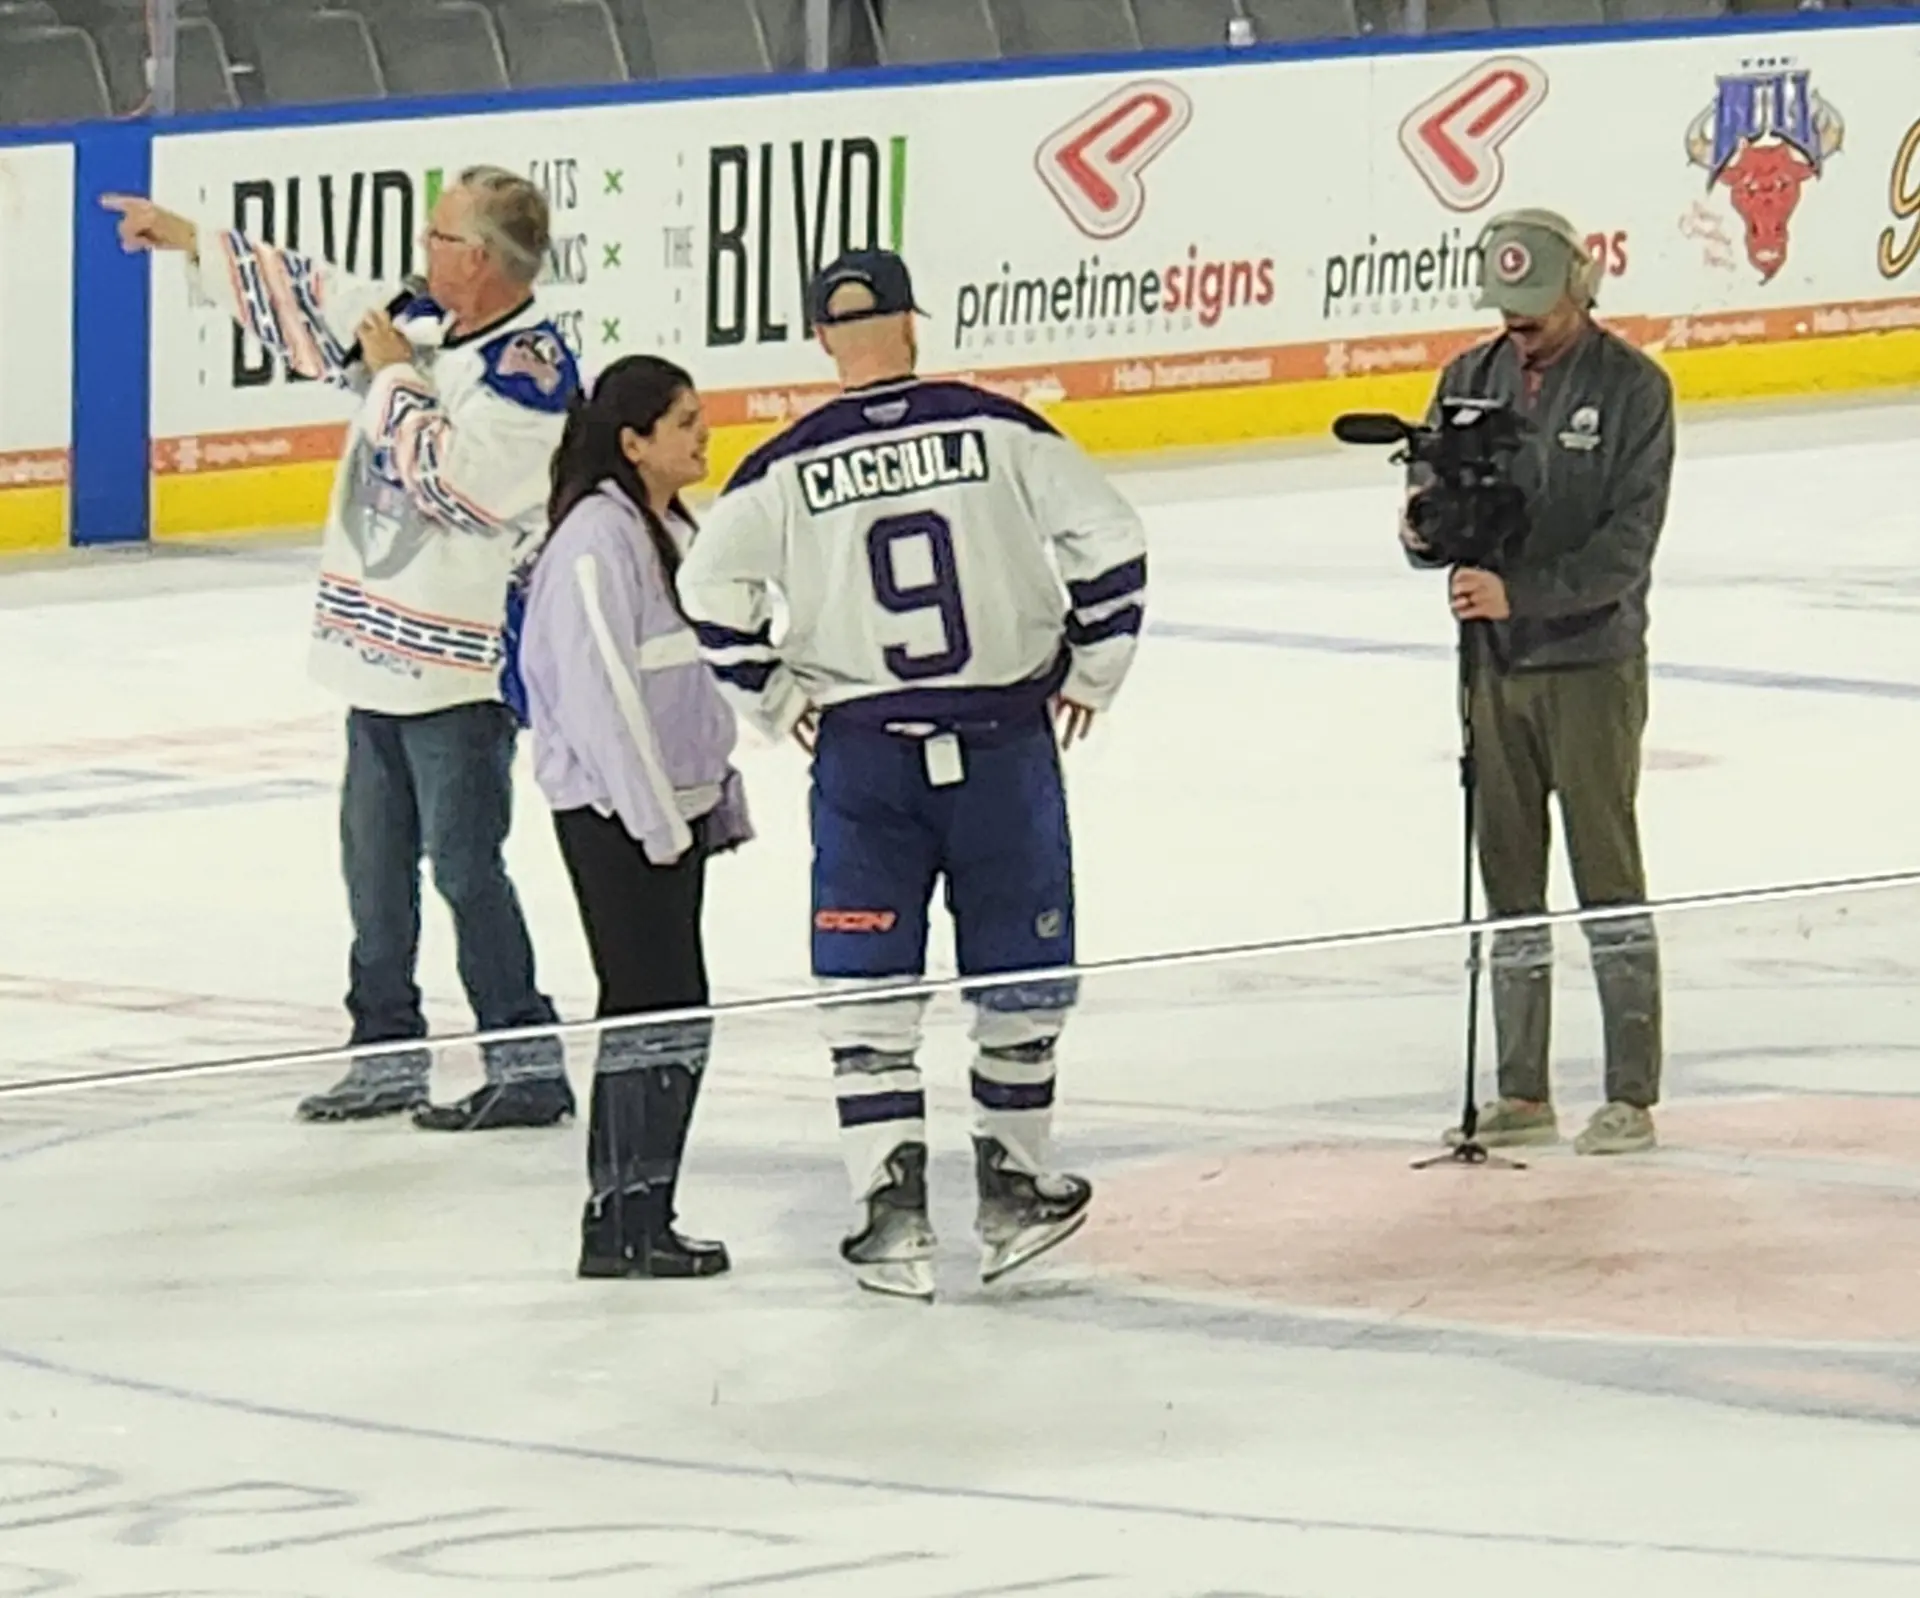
(1135, 62)
(110, 498)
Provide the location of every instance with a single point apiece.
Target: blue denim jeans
(438, 786)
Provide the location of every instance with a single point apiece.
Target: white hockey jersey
(443, 485)
(942, 554)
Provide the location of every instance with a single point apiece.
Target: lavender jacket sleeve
(581, 620)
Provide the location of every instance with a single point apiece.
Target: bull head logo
(1762, 138)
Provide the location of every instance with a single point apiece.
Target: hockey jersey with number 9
(942, 557)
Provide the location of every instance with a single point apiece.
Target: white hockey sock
(1013, 1102)
(882, 1105)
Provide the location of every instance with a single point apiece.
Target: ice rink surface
(243, 1356)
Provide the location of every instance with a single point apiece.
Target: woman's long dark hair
(636, 391)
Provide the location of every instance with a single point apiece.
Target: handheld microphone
(411, 289)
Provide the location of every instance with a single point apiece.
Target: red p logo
(1094, 165)
(1454, 138)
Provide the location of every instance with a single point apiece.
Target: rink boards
(1158, 252)
(36, 370)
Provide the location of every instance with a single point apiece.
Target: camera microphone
(411, 289)
(1369, 427)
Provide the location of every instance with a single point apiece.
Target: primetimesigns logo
(1096, 165)
(1453, 138)
(1095, 169)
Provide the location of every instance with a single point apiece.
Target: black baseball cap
(882, 273)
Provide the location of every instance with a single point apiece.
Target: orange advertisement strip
(1338, 358)
(34, 468)
(221, 452)
(1123, 379)
(1052, 383)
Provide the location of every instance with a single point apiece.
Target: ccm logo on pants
(854, 921)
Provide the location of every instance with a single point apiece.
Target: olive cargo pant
(1575, 732)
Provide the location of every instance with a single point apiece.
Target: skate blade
(897, 1279)
(1026, 1246)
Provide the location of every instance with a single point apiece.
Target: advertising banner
(1166, 257)
(36, 343)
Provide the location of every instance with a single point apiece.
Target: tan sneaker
(1510, 1123)
(1616, 1129)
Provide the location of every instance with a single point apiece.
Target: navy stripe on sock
(1019, 998)
(992, 1095)
(870, 1109)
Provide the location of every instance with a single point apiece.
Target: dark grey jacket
(1595, 471)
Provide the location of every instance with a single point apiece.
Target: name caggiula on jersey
(896, 466)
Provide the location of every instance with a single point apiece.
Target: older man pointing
(463, 389)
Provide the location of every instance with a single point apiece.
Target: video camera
(1471, 513)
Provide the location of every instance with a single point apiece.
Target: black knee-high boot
(644, 1092)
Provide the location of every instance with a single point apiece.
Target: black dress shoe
(536, 1102)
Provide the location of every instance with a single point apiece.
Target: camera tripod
(1469, 1150)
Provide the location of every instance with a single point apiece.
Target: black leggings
(642, 921)
(643, 929)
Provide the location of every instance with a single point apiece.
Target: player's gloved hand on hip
(1073, 720)
(146, 226)
(806, 731)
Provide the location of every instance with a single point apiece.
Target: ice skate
(893, 1254)
(1023, 1216)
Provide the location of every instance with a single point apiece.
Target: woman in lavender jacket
(631, 748)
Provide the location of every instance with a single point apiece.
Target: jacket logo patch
(536, 357)
(1583, 430)
(531, 367)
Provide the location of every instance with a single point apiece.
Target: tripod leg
(1469, 1151)
(1470, 1113)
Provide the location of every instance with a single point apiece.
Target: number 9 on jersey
(924, 540)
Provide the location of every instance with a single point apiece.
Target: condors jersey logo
(902, 466)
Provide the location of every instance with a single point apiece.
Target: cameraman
(1558, 695)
